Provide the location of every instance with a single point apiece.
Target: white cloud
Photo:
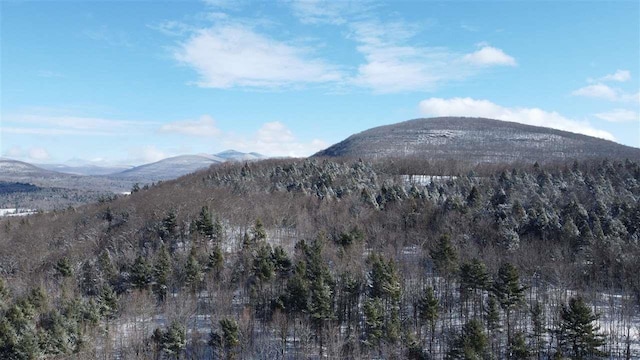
(530, 116)
(146, 154)
(275, 139)
(205, 126)
(326, 11)
(32, 155)
(39, 154)
(619, 115)
(70, 125)
(598, 91)
(490, 56)
(605, 92)
(235, 55)
(619, 76)
(393, 66)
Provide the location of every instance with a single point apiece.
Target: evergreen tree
(161, 271)
(172, 341)
(230, 336)
(508, 292)
(107, 302)
(471, 343)
(216, 262)
(169, 225)
(444, 256)
(193, 271)
(518, 347)
(538, 328)
(140, 273)
(374, 321)
(578, 335)
(63, 267)
(204, 225)
(428, 312)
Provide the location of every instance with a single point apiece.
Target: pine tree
(445, 256)
(374, 321)
(140, 273)
(107, 302)
(471, 343)
(63, 267)
(578, 335)
(428, 312)
(230, 336)
(193, 271)
(518, 347)
(508, 292)
(538, 328)
(204, 225)
(161, 271)
(216, 262)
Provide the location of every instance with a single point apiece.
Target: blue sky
(136, 81)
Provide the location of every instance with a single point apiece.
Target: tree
(204, 225)
(577, 334)
(161, 271)
(538, 328)
(172, 341)
(193, 271)
(374, 321)
(471, 343)
(428, 312)
(63, 267)
(140, 273)
(107, 302)
(230, 336)
(508, 292)
(444, 256)
(518, 347)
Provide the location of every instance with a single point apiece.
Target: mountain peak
(476, 140)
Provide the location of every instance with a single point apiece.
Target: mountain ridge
(476, 140)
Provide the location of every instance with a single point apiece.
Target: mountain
(18, 170)
(169, 168)
(87, 169)
(233, 155)
(476, 140)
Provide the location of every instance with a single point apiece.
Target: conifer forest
(337, 259)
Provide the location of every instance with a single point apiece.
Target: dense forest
(317, 258)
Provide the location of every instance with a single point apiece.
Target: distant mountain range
(476, 140)
(166, 169)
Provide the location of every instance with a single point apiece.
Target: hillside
(306, 258)
(476, 140)
(169, 168)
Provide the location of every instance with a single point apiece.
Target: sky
(131, 82)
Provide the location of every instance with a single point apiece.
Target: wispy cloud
(490, 56)
(605, 92)
(205, 126)
(530, 116)
(49, 74)
(32, 154)
(275, 139)
(619, 116)
(327, 11)
(236, 55)
(392, 64)
(618, 76)
(39, 124)
(109, 36)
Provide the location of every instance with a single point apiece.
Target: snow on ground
(16, 212)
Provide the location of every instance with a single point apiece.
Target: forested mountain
(169, 168)
(476, 140)
(344, 259)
